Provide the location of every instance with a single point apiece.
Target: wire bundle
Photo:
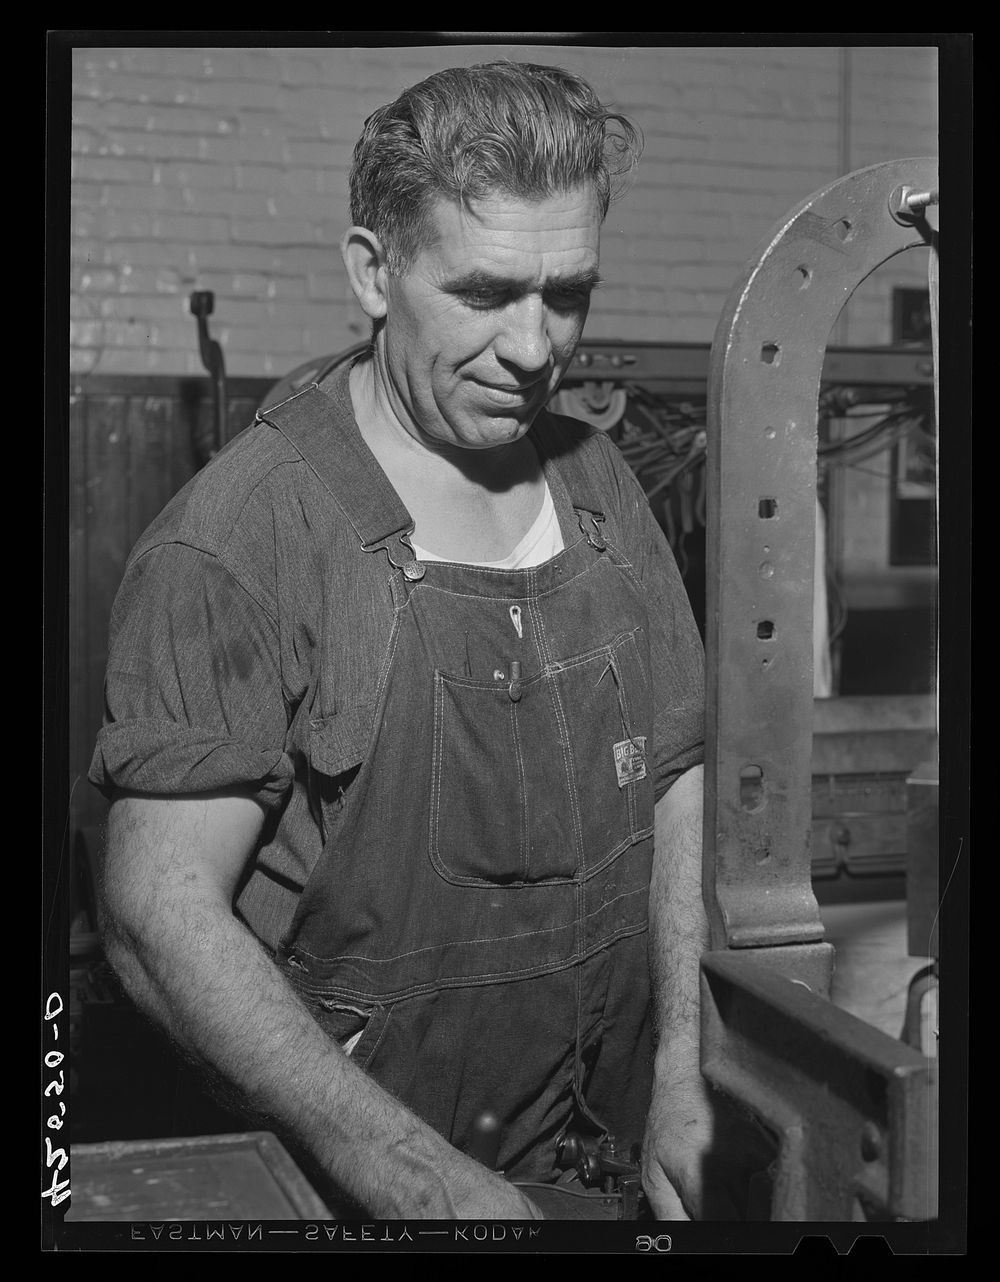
(663, 439)
(904, 415)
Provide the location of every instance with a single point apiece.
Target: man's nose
(524, 339)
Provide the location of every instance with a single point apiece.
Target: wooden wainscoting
(133, 443)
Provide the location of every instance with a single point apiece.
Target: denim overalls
(475, 929)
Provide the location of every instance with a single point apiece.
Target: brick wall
(226, 169)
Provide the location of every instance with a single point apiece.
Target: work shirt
(459, 762)
(237, 624)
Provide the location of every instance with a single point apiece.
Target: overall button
(414, 570)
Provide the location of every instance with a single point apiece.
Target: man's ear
(364, 259)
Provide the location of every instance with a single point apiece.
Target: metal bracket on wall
(202, 304)
(764, 379)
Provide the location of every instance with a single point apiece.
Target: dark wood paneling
(134, 442)
(151, 422)
(107, 486)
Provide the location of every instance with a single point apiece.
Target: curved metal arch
(764, 380)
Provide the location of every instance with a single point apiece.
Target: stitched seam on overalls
(524, 824)
(378, 1041)
(409, 589)
(511, 596)
(388, 656)
(576, 958)
(576, 879)
(627, 718)
(624, 564)
(569, 768)
(633, 839)
(466, 943)
(568, 763)
(436, 759)
(390, 652)
(565, 665)
(484, 687)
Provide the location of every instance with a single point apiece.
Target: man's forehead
(503, 226)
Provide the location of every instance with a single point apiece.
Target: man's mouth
(513, 391)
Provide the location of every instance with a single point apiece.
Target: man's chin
(502, 429)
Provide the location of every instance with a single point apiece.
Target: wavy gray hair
(519, 129)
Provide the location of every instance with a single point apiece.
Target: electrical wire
(664, 440)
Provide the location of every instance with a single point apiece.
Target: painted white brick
(235, 163)
(260, 123)
(231, 149)
(175, 118)
(268, 231)
(154, 145)
(110, 169)
(152, 280)
(228, 94)
(253, 338)
(256, 177)
(194, 174)
(141, 253)
(195, 229)
(137, 308)
(230, 204)
(100, 280)
(300, 67)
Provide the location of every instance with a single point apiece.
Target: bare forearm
(231, 1009)
(197, 971)
(678, 925)
(697, 1156)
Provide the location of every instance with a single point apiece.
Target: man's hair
(516, 129)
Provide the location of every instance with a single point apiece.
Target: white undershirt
(542, 542)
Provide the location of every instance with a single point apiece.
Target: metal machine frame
(853, 1110)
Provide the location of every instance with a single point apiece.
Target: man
(403, 692)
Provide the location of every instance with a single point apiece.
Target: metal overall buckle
(594, 535)
(411, 567)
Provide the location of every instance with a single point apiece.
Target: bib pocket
(547, 782)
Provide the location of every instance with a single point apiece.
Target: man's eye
(567, 300)
(483, 299)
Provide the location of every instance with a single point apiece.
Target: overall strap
(562, 441)
(329, 441)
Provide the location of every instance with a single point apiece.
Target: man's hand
(699, 1154)
(171, 867)
(484, 1195)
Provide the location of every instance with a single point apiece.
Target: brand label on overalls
(630, 760)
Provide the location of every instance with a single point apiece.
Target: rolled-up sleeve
(193, 694)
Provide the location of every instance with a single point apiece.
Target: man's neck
(466, 503)
(401, 446)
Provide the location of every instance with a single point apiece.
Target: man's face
(484, 323)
